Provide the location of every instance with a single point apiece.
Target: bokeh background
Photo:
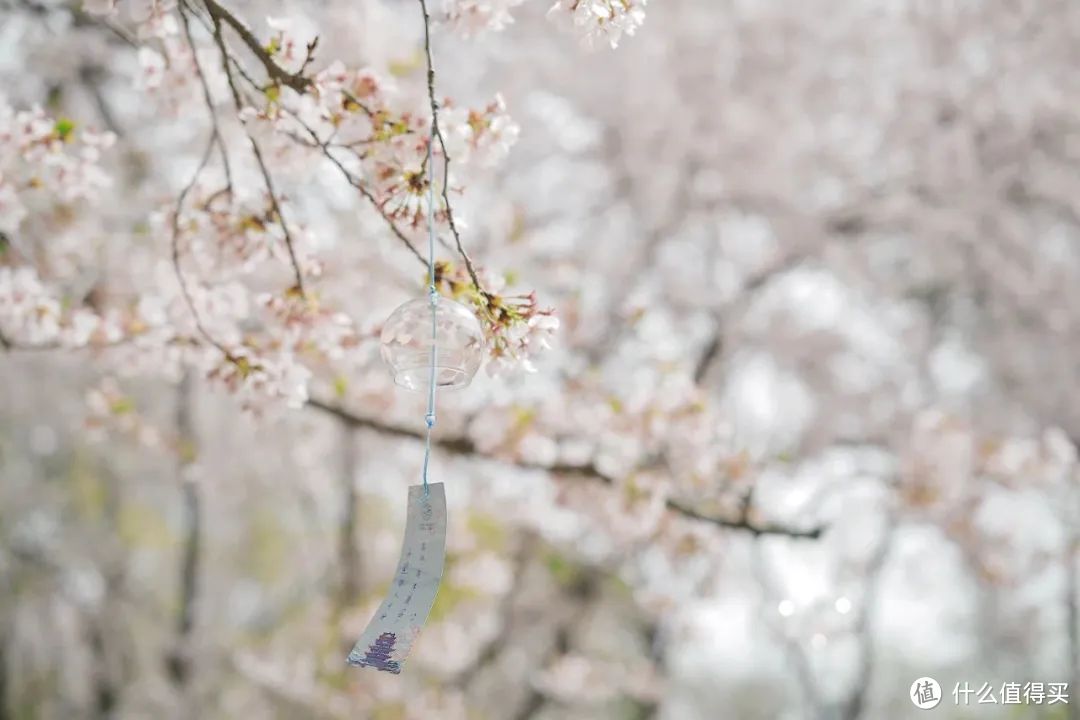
(807, 430)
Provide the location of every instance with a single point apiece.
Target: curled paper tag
(389, 636)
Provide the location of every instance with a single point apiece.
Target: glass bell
(406, 339)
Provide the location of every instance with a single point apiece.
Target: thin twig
(215, 126)
(446, 156)
(356, 183)
(175, 242)
(218, 15)
(208, 98)
(300, 83)
(863, 631)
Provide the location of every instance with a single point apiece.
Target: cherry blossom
(471, 17)
(602, 20)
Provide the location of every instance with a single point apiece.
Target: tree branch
(584, 593)
(300, 83)
(446, 156)
(178, 270)
(207, 98)
(180, 660)
(348, 555)
(715, 344)
(275, 72)
(356, 183)
(464, 446)
(218, 15)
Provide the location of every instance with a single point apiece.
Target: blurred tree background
(807, 426)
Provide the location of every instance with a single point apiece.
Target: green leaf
(243, 366)
(63, 128)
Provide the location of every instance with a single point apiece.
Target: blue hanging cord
(433, 296)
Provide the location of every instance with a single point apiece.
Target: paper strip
(389, 636)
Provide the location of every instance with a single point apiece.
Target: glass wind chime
(428, 343)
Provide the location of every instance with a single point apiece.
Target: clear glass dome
(405, 344)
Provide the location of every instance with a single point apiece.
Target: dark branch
(207, 98)
(275, 72)
(464, 446)
(709, 354)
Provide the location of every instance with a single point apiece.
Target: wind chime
(429, 342)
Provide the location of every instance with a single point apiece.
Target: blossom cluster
(358, 118)
(602, 20)
(605, 21)
(45, 161)
(48, 169)
(517, 327)
(31, 314)
(472, 17)
(260, 337)
(211, 304)
(481, 136)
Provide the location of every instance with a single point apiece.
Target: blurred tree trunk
(106, 690)
(179, 663)
(579, 597)
(348, 553)
(855, 706)
(4, 715)
(797, 660)
(1072, 617)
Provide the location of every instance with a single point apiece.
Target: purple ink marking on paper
(378, 655)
